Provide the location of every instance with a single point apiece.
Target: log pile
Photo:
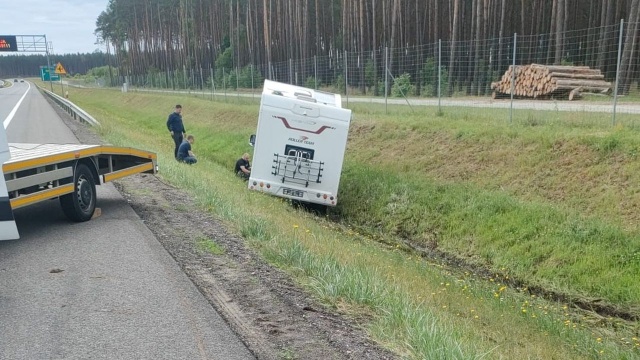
(545, 81)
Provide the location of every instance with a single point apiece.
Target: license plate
(292, 192)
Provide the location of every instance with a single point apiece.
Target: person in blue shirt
(184, 151)
(176, 128)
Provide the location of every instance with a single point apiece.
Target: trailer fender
(93, 166)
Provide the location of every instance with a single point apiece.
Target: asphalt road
(104, 289)
(33, 121)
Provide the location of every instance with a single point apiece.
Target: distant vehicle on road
(15, 80)
(21, 80)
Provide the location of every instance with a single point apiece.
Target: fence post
(252, 84)
(346, 76)
(439, 75)
(386, 78)
(237, 84)
(513, 76)
(224, 84)
(213, 84)
(184, 75)
(315, 71)
(201, 81)
(615, 91)
(290, 71)
(192, 79)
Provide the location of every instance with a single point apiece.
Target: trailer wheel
(81, 203)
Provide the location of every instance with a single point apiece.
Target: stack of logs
(542, 81)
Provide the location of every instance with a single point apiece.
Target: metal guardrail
(71, 108)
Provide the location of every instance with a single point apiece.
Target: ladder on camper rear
(297, 169)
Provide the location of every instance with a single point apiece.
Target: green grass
(504, 197)
(207, 245)
(568, 253)
(287, 354)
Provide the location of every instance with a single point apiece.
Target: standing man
(176, 128)
(184, 152)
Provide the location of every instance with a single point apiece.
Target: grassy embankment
(550, 201)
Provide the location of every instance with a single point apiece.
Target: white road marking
(7, 121)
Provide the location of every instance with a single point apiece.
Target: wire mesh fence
(496, 73)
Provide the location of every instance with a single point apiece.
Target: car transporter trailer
(70, 172)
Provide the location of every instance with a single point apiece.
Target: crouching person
(243, 168)
(184, 151)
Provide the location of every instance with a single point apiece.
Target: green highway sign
(48, 73)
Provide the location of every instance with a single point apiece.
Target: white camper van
(299, 144)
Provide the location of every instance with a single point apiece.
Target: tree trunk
(373, 44)
(478, 47)
(454, 39)
(559, 31)
(267, 35)
(606, 18)
(394, 25)
(552, 31)
(503, 10)
(363, 86)
(626, 66)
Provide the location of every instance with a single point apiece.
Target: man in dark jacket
(176, 128)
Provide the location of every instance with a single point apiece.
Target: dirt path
(273, 316)
(269, 312)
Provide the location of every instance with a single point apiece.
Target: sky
(68, 24)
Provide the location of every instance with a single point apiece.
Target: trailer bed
(37, 172)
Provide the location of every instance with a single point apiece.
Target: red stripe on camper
(317, 132)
